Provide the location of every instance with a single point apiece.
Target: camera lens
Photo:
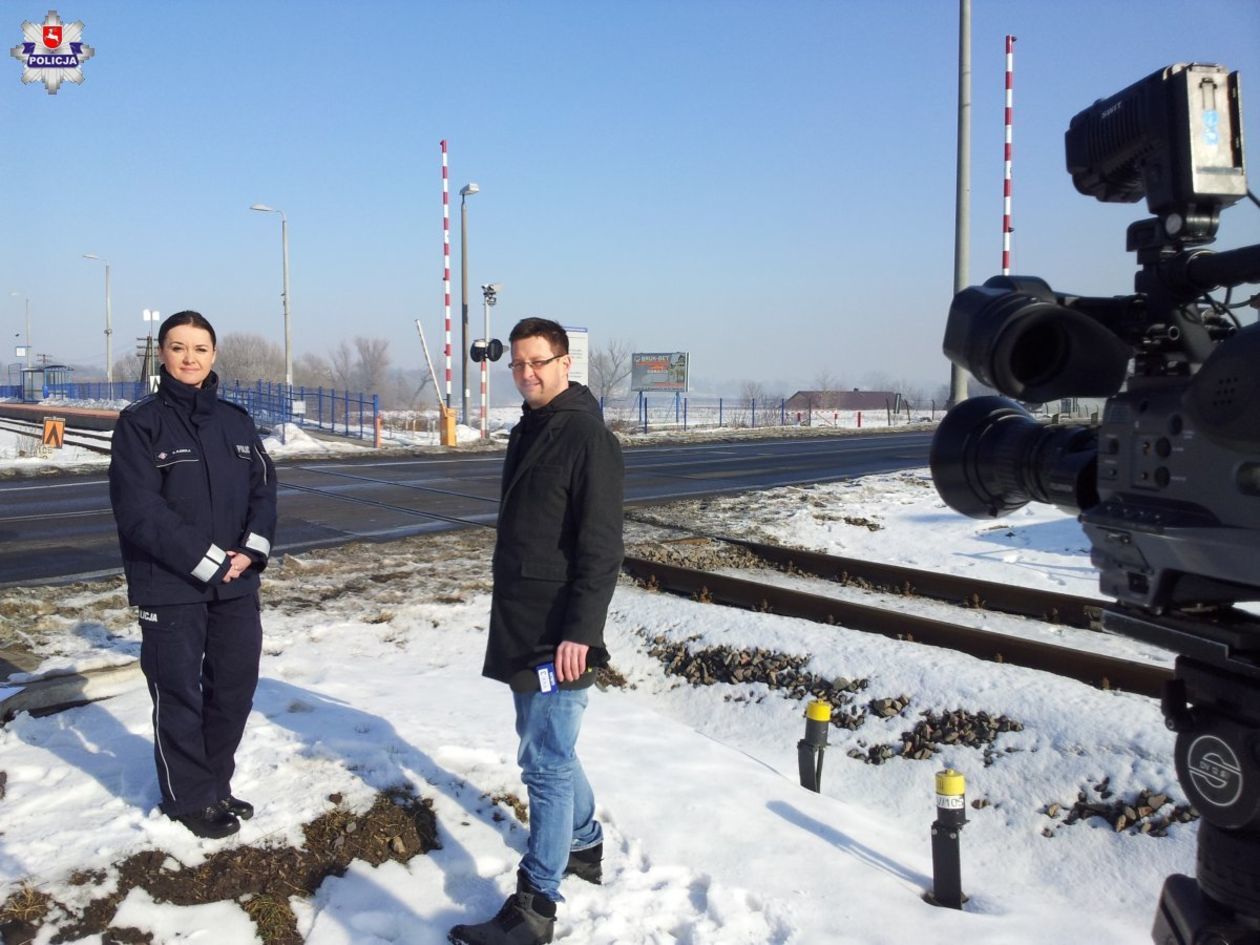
(990, 457)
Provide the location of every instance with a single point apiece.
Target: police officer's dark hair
(188, 317)
(554, 332)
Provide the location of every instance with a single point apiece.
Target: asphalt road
(60, 528)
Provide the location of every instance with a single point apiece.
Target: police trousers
(201, 664)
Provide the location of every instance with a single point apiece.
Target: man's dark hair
(555, 334)
(196, 319)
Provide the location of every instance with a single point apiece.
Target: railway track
(1095, 669)
(93, 442)
(1099, 670)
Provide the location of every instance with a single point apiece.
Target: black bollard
(951, 814)
(809, 750)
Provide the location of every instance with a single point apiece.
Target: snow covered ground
(370, 679)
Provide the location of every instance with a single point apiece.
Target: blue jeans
(561, 804)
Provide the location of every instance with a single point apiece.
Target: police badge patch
(52, 53)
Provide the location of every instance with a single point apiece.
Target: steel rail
(36, 430)
(1105, 672)
(1080, 612)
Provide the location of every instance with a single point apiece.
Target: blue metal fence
(340, 412)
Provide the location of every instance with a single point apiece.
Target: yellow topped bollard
(951, 815)
(809, 750)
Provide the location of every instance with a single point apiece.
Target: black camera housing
(1167, 485)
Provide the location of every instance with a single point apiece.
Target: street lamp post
(284, 244)
(109, 330)
(28, 325)
(464, 193)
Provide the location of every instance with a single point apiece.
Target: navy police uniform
(189, 481)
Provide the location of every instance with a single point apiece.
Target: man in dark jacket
(556, 561)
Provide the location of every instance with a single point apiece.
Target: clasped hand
(239, 564)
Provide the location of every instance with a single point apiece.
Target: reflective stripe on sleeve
(256, 542)
(209, 564)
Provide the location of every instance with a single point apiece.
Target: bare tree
(311, 370)
(609, 366)
(372, 364)
(912, 395)
(752, 392)
(341, 364)
(130, 366)
(246, 357)
(878, 380)
(825, 381)
(406, 389)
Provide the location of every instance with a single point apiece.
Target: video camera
(1167, 486)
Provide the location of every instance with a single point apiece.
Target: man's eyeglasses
(533, 365)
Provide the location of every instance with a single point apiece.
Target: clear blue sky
(767, 185)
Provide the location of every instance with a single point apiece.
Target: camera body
(1168, 486)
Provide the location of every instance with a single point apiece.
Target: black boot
(587, 864)
(527, 918)
(237, 807)
(212, 822)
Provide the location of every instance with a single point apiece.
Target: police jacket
(559, 545)
(189, 481)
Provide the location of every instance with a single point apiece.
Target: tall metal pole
(962, 199)
(463, 298)
(284, 246)
(446, 273)
(1006, 157)
(288, 337)
(109, 332)
(485, 370)
(28, 331)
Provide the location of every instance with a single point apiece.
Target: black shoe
(237, 807)
(211, 822)
(587, 864)
(527, 918)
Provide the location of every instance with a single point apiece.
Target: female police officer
(194, 496)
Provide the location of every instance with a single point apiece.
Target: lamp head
(469, 188)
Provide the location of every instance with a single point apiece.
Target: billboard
(658, 371)
(579, 348)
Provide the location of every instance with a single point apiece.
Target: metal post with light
(109, 329)
(464, 193)
(284, 244)
(28, 324)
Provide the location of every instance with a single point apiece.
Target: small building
(806, 401)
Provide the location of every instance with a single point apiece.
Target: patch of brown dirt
(398, 826)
